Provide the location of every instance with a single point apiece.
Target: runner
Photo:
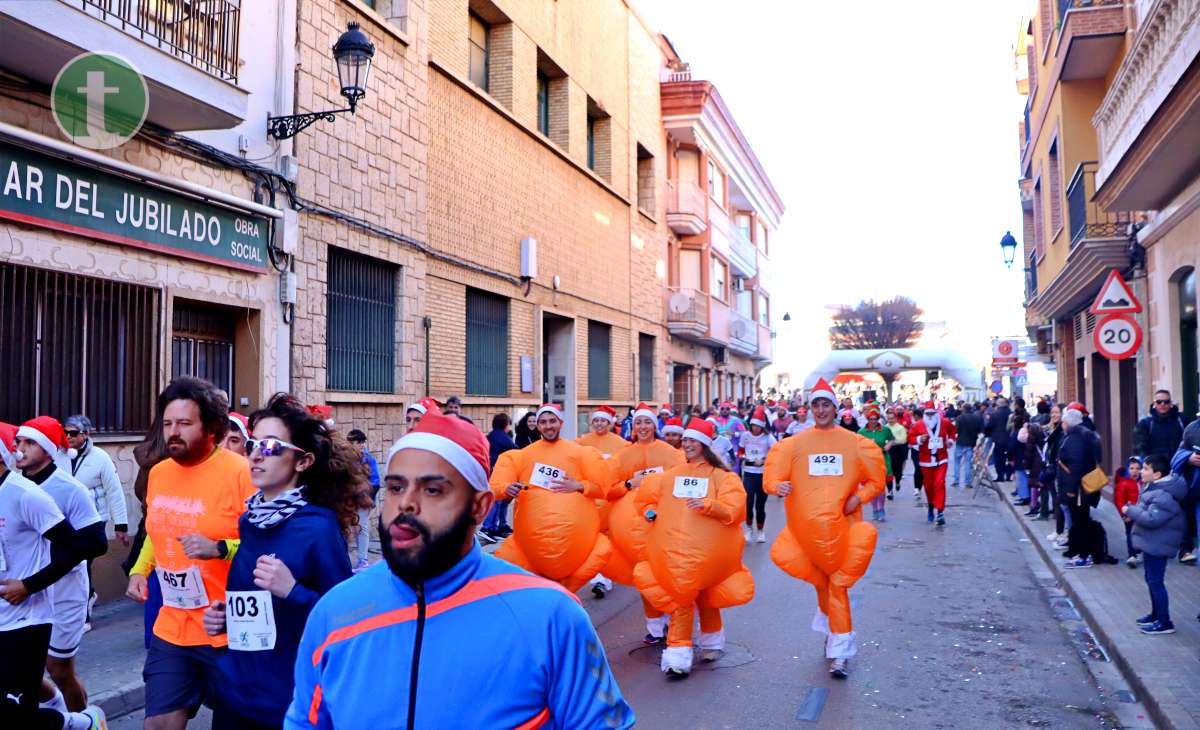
(730, 428)
(825, 475)
(693, 549)
(755, 446)
(875, 431)
(932, 436)
(439, 635)
(672, 432)
(38, 548)
(801, 423)
(43, 457)
(293, 550)
(237, 435)
(194, 500)
(897, 454)
(602, 439)
(646, 455)
(556, 525)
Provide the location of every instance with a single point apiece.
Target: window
(599, 140)
(1056, 196)
(591, 143)
(1039, 234)
(202, 344)
(361, 323)
(689, 269)
(599, 360)
(717, 285)
(645, 367)
(744, 225)
(761, 241)
(487, 343)
(764, 310)
(75, 344)
(543, 96)
(716, 184)
(479, 42)
(645, 179)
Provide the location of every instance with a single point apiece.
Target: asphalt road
(958, 627)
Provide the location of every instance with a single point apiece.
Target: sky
(890, 132)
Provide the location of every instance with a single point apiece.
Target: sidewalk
(1161, 669)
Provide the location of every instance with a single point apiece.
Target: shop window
(645, 367)
(599, 360)
(487, 343)
(361, 323)
(77, 344)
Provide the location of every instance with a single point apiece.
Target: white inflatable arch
(891, 362)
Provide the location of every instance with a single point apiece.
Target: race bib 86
(690, 487)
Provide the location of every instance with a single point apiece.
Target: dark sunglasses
(73, 434)
(1166, 402)
(270, 446)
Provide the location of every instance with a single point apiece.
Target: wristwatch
(222, 549)
(628, 485)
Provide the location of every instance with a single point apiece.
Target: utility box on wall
(529, 267)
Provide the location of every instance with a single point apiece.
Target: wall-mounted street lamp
(352, 53)
(1008, 246)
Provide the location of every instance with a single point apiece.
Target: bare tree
(869, 325)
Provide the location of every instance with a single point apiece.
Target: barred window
(645, 367)
(487, 343)
(361, 323)
(77, 344)
(599, 357)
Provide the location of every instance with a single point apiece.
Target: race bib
(182, 589)
(754, 454)
(605, 456)
(691, 487)
(935, 443)
(651, 470)
(249, 620)
(543, 475)
(824, 465)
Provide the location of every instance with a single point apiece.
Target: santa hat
(759, 418)
(1077, 406)
(550, 408)
(871, 409)
(673, 425)
(453, 439)
(241, 423)
(726, 404)
(930, 406)
(425, 406)
(702, 431)
(323, 412)
(8, 435)
(48, 433)
(644, 410)
(666, 408)
(605, 412)
(822, 390)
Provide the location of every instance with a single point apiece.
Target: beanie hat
(702, 431)
(605, 412)
(759, 418)
(644, 410)
(673, 425)
(48, 433)
(453, 439)
(822, 390)
(8, 435)
(241, 423)
(871, 409)
(550, 408)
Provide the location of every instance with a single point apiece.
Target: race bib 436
(543, 475)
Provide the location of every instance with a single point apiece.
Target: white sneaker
(760, 536)
(91, 718)
(838, 669)
(1052, 536)
(747, 532)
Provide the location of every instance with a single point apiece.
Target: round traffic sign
(1117, 336)
(997, 387)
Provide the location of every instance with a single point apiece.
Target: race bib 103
(824, 465)
(691, 487)
(543, 475)
(249, 620)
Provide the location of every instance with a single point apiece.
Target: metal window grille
(76, 344)
(202, 345)
(599, 360)
(487, 343)
(645, 367)
(361, 323)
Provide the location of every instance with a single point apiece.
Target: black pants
(898, 454)
(1086, 536)
(756, 499)
(1189, 537)
(1129, 540)
(1000, 455)
(24, 652)
(918, 477)
(225, 719)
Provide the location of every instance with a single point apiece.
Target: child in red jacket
(1127, 485)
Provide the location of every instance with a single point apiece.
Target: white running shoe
(838, 669)
(747, 532)
(91, 718)
(760, 535)
(1052, 536)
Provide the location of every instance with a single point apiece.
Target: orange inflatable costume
(555, 534)
(693, 556)
(823, 545)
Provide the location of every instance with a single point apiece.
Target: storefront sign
(43, 190)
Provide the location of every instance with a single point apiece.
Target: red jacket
(946, 433)
(1125, 491)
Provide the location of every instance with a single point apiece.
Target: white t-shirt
(723, 448)
(77, 506)
(755, 449)
(798, 426)
(26, 514)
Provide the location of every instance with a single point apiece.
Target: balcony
(687, 208)
(187, 50)
(1087, 220)
(1092, 33)
(743, 257)
(687, 312)
(743, 334)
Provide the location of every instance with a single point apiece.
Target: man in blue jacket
(466, 640)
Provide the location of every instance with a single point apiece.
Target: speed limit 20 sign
(1117, 336)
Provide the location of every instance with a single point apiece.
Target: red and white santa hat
(666, 408)
(453, 439)
(726, 404)
(48, 433)
(673, 425)
(8, 436)
(822, 390)
(759, 418)
(643, 409)
(702, 431)
(605, 412)
(425, 406)
(241, 423)
(930, 407)
(550, 408)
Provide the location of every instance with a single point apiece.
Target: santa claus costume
(932, 436)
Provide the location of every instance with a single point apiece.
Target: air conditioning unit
(739, 284)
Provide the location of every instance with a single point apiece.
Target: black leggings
(918, 477)
(24, 652)
(756, 499)
(898, 454)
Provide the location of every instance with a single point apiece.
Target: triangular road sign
(1115, 297)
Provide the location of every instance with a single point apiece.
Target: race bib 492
(824, 465)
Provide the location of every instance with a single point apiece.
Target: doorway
(681, 388)
(558, 367)
(1185, 291)
(1101, 405)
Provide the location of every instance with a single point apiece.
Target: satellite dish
(679, 302)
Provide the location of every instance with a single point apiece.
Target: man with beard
(932, 436)
(463, 639)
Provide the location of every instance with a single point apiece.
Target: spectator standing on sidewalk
(1017, 436)
(996, 429)
(1126, 489)
(969, 426)
(1186, 463)
(1161, 432)
(1050, 480)
(496, 523)
(93, 468)
(526, 430)
(1158, 525)
(363, 541)
(1078, 454)
(1035, 464)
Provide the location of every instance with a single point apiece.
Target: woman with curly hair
(293, 550)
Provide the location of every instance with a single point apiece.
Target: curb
(122, 700)
(1145, 696)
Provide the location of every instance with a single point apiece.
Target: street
(958, 627)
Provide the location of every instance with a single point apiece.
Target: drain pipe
(427, 323)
